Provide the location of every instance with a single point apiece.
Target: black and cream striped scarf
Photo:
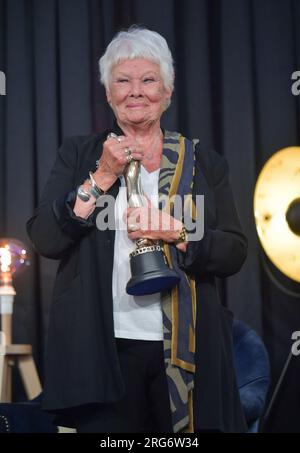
(179, 305)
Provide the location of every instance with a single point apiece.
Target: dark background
(234, 60)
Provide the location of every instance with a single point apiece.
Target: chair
(252, 371)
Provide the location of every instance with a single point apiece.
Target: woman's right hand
(114, 159)
(111, 165)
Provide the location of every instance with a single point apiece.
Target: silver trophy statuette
(150, 272)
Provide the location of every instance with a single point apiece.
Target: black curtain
(234, 60)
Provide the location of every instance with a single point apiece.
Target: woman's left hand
(152, 223)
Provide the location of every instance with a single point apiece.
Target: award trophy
(149, 268)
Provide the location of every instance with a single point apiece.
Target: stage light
(277, 211)
(277, 217)
(13, 260)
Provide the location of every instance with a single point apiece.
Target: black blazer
(82, 364)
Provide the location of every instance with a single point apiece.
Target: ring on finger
(115, 136)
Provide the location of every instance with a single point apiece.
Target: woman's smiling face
(136, 92)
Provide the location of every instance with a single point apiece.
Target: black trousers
(146, 406)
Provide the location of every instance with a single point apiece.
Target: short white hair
(138, 42)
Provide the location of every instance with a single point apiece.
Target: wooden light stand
(14, 354)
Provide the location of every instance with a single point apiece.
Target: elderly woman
(151, 363)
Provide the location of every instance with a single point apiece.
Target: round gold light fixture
(277, 210)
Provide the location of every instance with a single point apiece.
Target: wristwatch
(183, 237)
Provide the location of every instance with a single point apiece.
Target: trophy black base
(150, 274)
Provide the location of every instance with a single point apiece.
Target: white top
(135, 317)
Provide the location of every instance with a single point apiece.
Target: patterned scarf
(179, 305)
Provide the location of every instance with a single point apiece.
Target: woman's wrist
(182, 235)
(178, 233)
(97, 184)
(181, 241)
(84, 209)
(104, 180)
